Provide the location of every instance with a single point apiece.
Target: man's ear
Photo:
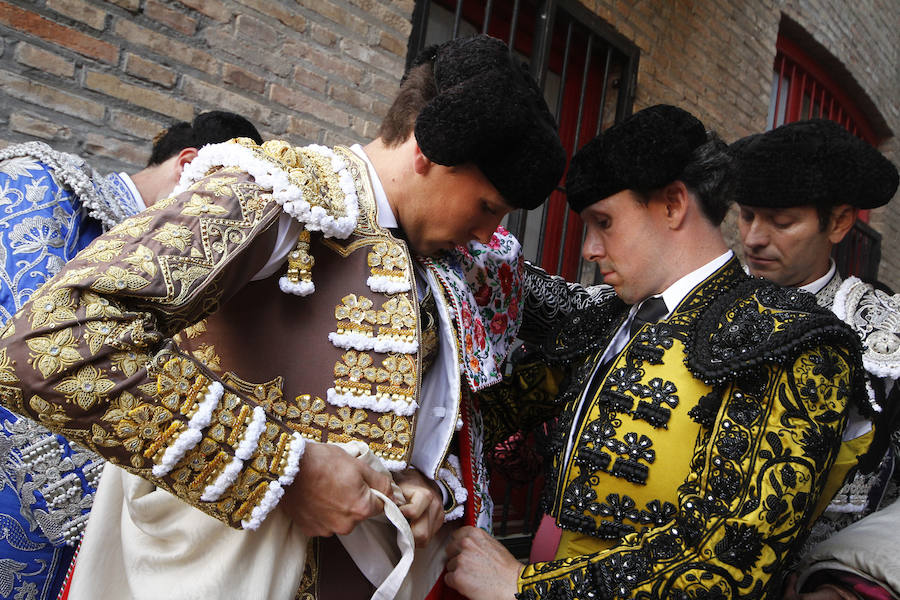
(676, 200)
(421, 163)
(183, 159)
(843, 216)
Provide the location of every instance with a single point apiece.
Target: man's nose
(757, 235)
(593, 249)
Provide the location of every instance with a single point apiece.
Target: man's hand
(827, 591)
(479, 567)
(331, 494)
(424, 508)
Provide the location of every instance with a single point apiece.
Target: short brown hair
(416, 90)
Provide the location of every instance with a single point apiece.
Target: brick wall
(715, 59)
(102, 78)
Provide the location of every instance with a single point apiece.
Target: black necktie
(650, 311)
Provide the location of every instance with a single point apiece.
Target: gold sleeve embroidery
(91, 354)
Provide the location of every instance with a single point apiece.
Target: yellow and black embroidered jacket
(694, 464)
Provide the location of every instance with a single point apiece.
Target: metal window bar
(514, 23)
(584, 79)
(457, 17)
(487, 15)
(559, 103)
(781, 60)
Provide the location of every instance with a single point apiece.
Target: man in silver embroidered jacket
(799, 188)
(321, 295)
(695, 445)
(55, 206)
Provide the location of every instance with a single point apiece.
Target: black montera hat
(815, 162)
(489, 111)
(644, 152)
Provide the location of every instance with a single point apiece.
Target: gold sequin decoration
(397, 319)
(353, 314)
(300, 261)
(387, 259)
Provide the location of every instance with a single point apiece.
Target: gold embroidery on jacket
(349, 421)
(97, 333)
(308, 170)
(138, 425)
(196, 329)
(51, 415)
(98, 306)
(300, 261)
(312, 412)
(388, 259)
(53, 353)
(389, 429)
(206, 353)
(269, 395)
(7, 372)
(352, 369)
(102, 250)
(397, 319)
(400, 374)
(128, 362)
(174, 236)
(117, 279)
(143, 259)
(86, 388)
(356, 311)
(62, 281)
(133, 226)
(200, 206)
(54, 308)
(356, 374)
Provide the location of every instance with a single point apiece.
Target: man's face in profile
(451, 206)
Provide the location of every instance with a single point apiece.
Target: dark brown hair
(416, 90)
(208, 128)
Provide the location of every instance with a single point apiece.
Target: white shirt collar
(138, 200)
(814, 287)
(386, 216)
(675, 293)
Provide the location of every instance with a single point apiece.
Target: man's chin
(762, 267)
(433, 251)
(770, 272)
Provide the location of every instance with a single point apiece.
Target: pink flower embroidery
(513, 310)
(499, 323)
(466, 315)
(479, 335)
(505, 276)
(483, 295)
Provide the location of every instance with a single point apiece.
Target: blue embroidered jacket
(46, 484)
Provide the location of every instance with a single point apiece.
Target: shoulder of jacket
(312, 183)
(757, 322)
(875, 316)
